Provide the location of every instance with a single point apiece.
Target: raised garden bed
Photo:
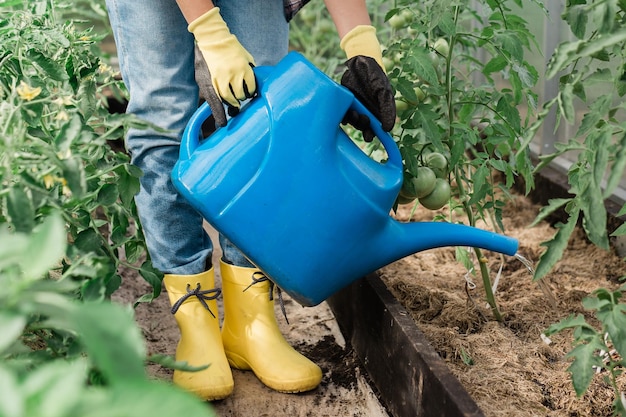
(411, 377)
(409, 371)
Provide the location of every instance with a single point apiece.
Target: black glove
(369, 83)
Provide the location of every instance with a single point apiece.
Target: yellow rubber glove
(229, 63)
(362, 40)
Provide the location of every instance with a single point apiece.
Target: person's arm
(347, 14)
(365, 75)
(193, 9)
(357, 35)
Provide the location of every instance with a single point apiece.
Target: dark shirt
(292, 7)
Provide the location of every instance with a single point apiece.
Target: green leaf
(150, 398)
(46, 247)
(613, 319)
(68, 133)
(569, 322)
(11, 327)
(498, 63)
(426, 119)
(616, 170)
(55, 388)
(569, 52)
(133, 250)
(566, 103)
(582, 369)
(405, 87)
(93, 290)
(598, 110)
(154, 277)
(168, 361)
(605, 11)
(510, 43)
(422, 66)
(128, 184)
(509, 113)
(88, 241)
(74, 174)
(480, 183)
(107, 195)
(48, 66)
(553, 205)
(112, 340)
(556, 246)
(11, 397)
(590, 197)
(20, 210)
(577, 17)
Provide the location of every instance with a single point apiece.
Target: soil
(506, 367)
(313, 331)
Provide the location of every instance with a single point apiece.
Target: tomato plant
(67, 224)
(443, 114)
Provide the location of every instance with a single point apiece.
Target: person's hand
(229, 63)
(367, 79)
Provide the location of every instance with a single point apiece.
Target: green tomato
(503, 150)
(401, 105)
(398, 58)
(397, 21)
(435, 59)
(425, 181)
(438, 197)
(441, 46)
(388, 63)
(421, 95)
(438, 163)
(407, 15)
(325, 26)
(402, 199)
(308, 16)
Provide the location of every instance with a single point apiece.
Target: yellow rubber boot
(252, 339)
(194, 305)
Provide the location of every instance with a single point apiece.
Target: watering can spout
(403, 239)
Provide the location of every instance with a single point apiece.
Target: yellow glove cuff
(211, 19)
(362, 40)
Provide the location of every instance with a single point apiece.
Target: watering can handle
(393, 153)
(191, 135)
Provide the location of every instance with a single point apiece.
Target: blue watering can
(285, 184)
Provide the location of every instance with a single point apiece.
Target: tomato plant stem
(484, 271)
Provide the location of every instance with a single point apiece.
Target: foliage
(67, 226)
(467, 108)
(55, 155)
(598, 351)
(61, 357)
(594, 61)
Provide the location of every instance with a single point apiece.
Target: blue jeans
(156, 55)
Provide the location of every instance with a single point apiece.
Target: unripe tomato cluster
(439, 50)
(430, 186)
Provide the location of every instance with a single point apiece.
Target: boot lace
(202, 295)
(259, 277)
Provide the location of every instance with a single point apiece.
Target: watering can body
(286, 185)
